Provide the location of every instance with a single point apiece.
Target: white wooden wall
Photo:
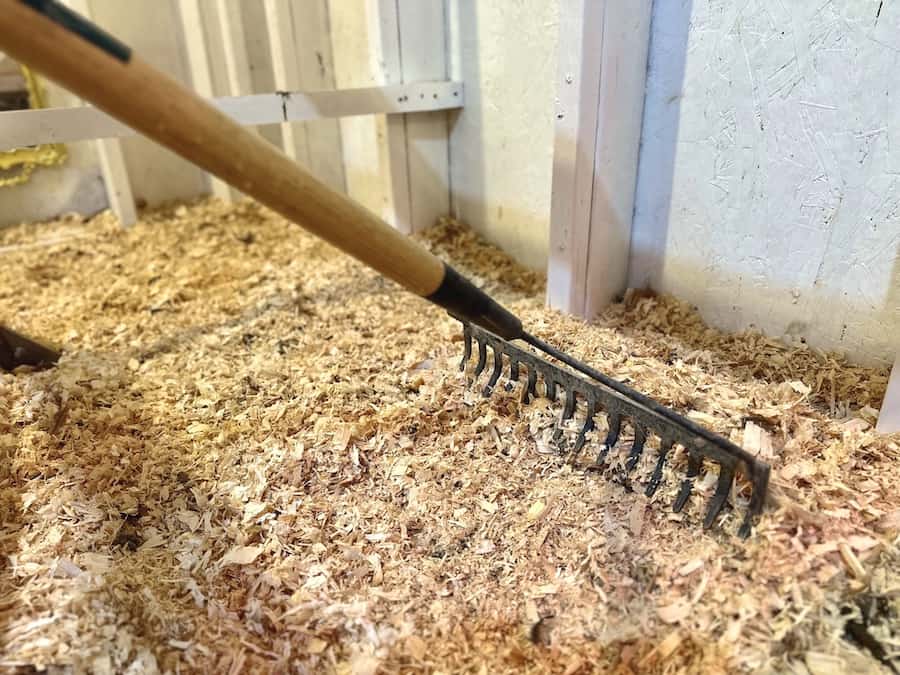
(396, 164)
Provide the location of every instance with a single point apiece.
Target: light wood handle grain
(159, 107)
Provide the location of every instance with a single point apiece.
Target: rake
(18, 350)
(96, 66)
(622, 406)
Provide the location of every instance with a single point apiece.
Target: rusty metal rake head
(622, 407)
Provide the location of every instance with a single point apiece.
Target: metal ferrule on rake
(646, 418)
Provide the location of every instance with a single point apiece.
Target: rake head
(622, 407)
(18, 350)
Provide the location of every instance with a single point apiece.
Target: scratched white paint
(769, 181)
(501, 143)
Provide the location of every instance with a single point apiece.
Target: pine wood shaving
(852, 562)
(258, 456)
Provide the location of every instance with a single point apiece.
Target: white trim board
(602, 72)
(423, 56)
(889, 416)
(20, 128)
(385, 29)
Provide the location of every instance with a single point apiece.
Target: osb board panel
(258, 456)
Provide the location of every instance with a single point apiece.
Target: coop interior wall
(769, 181)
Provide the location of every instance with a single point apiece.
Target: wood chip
(668, 646)
(824, 664)
(851, 561)
(690, 567)
(241, 555)
(889, 523)
(758, 442)
(674, 613)
(536, 510)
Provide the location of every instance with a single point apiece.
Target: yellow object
(27, 159)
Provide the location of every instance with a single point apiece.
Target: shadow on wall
(669, 28)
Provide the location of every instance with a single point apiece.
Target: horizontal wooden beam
(20, 128)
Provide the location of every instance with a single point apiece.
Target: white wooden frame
(112, 161)
(411, 46)
(602, 72)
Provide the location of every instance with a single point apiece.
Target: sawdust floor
(258, 456)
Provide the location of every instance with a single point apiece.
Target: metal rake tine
(531, 385)
(760, 479)
(723, 488)
(612, 436)
(467, 347)
(550, 388)
(655, 479)
(567, 413)
(637, 447)
(585, 428)
(495, 373)
(513, 374)
(615, 428)
(569, 407)
(482, 359)
(695, 461)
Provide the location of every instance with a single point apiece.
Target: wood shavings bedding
(258, 456)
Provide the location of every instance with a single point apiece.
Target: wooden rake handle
(94, 65)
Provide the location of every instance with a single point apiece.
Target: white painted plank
(231, 27)
(62, 125)
(423, 56)
(575, 138)
(237, 67)
(315, 61)
(626, 41)
(115, 178)
(286, 72)
(385, 29)
(112, 161)
(889, 416)
(201, 77)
